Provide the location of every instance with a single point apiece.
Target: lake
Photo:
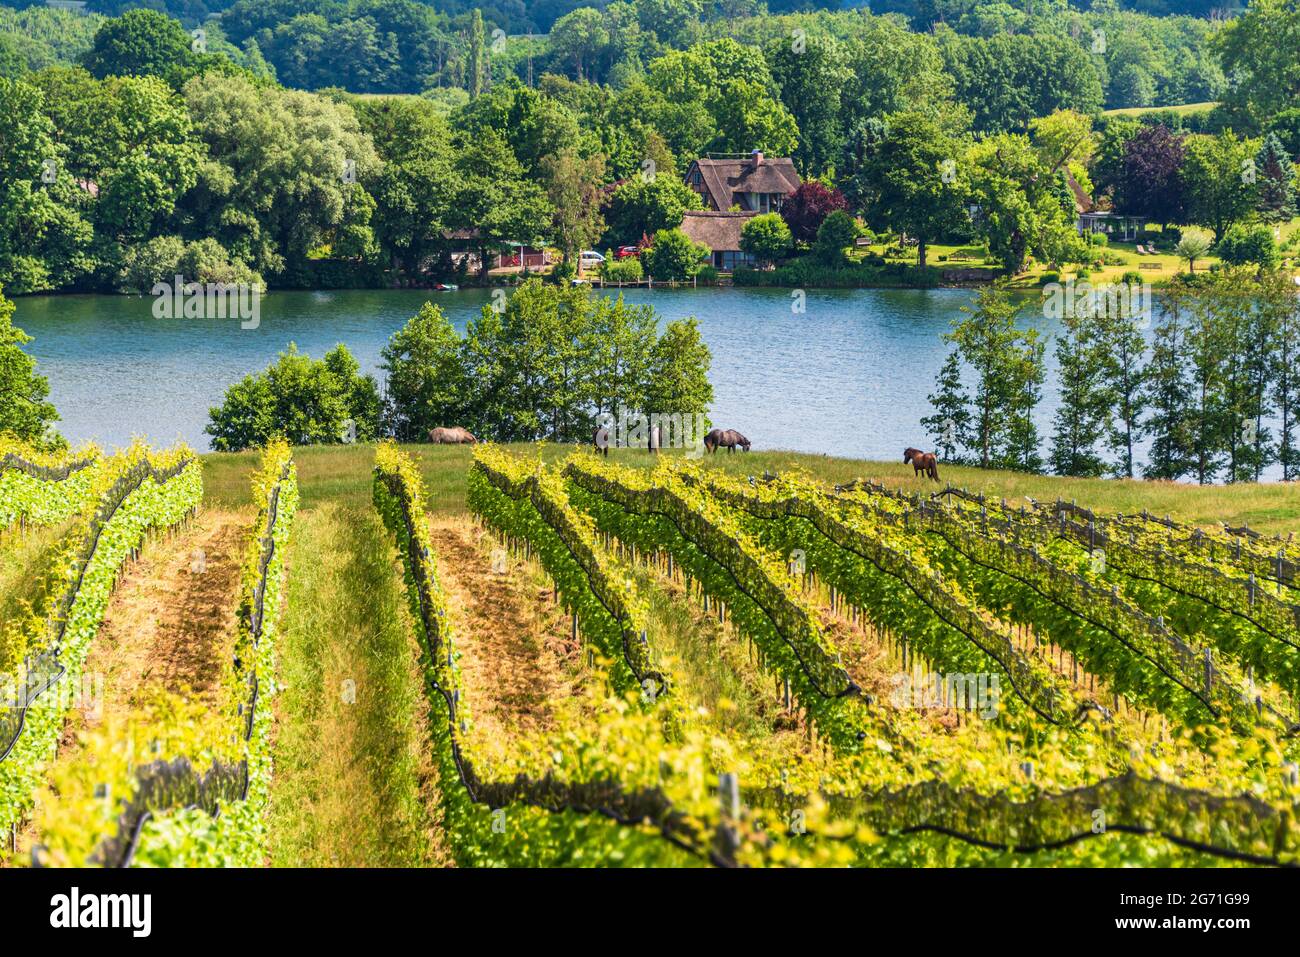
(849, 376)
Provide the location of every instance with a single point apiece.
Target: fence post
(729, 799)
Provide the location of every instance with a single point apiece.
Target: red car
(626, 252)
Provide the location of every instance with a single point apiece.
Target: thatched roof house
(720, 231)
(754, 182)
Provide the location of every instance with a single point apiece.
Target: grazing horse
(453, 436)
(922, 462)
(728, 438)
(600, 440)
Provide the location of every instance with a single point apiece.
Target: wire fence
(1236, 827)
(607, 798)
(42, 669)
(170, 785)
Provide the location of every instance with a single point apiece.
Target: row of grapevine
(1231, 574)
(878, 567)
(1242, 828)
(618, 792)
(170, 786)
(1138, 655)
(529, 505)
(39, 488)
(132, 493)
(1245, 551)
(709, 545)
(1254, 627)
(882, 796)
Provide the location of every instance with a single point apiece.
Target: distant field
(343, 473)
(1185, 109)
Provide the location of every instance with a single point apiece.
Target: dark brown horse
(922, 462)
(726, 438)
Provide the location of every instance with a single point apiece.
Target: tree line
(404, 46)
(1208, 382)
(159, 154)
(542, 363)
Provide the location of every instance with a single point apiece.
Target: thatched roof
(724, 178)
(1082, 201)
(718, 230)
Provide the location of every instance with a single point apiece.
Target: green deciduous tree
(749, 119)
(766, 237)
(496, 199)
(812, 73)
(426, 387)
(1261, 51)
(1220, 178)
(679, 371)
(646, 204)
(673, 255)
(1193, 244)
(307, 402)
(140, 43)
(555, 357)
(1006, 364)
(414, 189)
(912, 181)
(573, 187)
(25, 409)
(1244, 245)
(280, 169)
(835, 235)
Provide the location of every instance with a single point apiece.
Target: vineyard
(532, 657)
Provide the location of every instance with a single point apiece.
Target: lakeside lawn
(342, 474)
(1156, 269)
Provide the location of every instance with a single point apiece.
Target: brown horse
(922, 462)
(453, 436)
(725, 438)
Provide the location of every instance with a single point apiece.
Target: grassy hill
(1185, 110)
(342, 474)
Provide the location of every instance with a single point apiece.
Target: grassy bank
(341, 475)
(353, 781)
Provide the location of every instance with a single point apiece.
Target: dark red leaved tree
(805, 208)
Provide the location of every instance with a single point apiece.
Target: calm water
(849, 376)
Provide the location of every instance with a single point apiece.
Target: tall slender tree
(1081, 419)
(1125, 375)
(1007, 365)
(1277, 295)
(476, 68)
(950, 425)
(1165, 393)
